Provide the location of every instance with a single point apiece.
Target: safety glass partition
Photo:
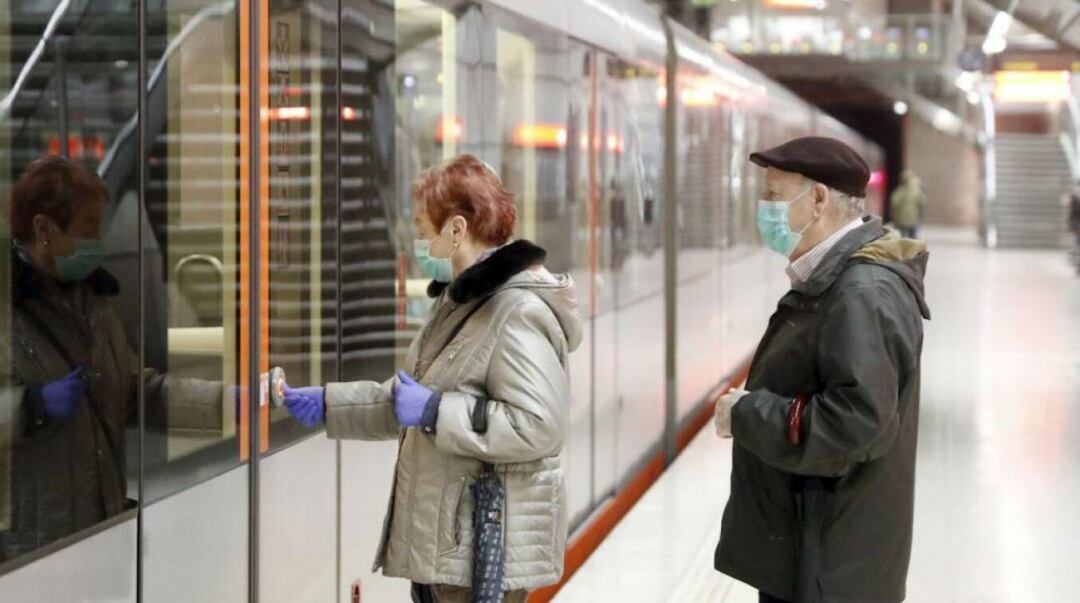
(426, 86)
(701, 126)
(192, 256)
(67, 73)
(301, 181)
(629, 375)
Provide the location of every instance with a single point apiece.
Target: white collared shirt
(800, 270)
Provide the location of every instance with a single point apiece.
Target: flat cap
(824, 160)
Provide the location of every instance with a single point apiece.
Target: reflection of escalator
(371, 338)
(368, 266)
(75, 86)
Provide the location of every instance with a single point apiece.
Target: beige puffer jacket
(511, 354)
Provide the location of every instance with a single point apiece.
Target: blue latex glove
(415, 405)
(64, 398)
(305, 404)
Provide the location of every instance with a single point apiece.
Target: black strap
(479, 417)
(479, 420)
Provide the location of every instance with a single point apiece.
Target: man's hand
(722, 415)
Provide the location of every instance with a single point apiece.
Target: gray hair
(849, 206)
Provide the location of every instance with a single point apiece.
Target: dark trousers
(766, 598)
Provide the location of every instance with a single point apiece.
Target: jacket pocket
(463, 520)
(450, 525)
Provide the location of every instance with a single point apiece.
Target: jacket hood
(905, 257)
(519, 265)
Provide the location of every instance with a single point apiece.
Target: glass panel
(373, 326)
(702, 202)
(301, 173)
(542, 158)
(545, 84)
(68, 368)
(191, 244)
(631, 159)
(425, 88)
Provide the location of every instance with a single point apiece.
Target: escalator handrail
(214, 10)
(9, 99)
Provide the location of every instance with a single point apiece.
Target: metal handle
(200, 257)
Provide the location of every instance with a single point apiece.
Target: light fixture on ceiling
(995, 38)
(900, 107)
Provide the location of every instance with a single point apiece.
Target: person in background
(907, 203)
(823, 467)
(69, 381)
(484, 382)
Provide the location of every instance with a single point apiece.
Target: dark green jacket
(830, 519)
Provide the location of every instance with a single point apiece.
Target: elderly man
(823, 468)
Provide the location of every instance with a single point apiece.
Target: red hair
(465, 186)
(51, 186)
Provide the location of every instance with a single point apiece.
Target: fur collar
(28, 282)
(485, 277)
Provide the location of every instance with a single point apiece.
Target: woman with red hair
(484, 389)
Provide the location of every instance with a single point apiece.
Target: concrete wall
(949, 168)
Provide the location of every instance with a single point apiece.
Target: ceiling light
(900, 107)
(995, 38)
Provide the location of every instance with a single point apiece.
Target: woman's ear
(459, 229)
(41, 228)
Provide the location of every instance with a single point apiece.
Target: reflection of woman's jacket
(509, 357)
(61, 477)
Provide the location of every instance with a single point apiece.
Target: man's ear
(822, 194)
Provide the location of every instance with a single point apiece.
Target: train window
(373, 323)
(703, 170)
(425, 84)
(69, 372)
(192, 247)
(629, 150)
(541, 123)
(300, 197)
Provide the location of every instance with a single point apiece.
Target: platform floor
(998, 484)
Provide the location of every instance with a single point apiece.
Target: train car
(272, 227)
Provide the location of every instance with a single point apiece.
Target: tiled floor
(998, 486)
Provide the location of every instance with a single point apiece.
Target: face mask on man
(772, 222)
(439, 269)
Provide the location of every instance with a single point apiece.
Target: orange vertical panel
(245, 226)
